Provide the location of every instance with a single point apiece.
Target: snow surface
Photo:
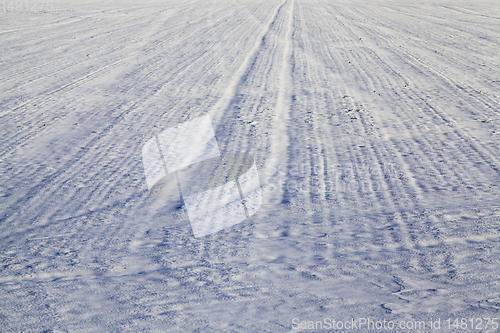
(375, 129)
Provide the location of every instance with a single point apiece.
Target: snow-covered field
(375, 128)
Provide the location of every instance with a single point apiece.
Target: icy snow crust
(374, 126)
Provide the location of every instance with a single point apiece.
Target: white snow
(375, 129)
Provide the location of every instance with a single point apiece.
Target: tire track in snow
(219, 110)
(236, 265)
(280, 143)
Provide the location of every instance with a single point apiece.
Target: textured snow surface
(375, 129)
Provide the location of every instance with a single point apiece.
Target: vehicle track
(333, 88)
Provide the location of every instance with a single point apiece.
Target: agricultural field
(375, 131)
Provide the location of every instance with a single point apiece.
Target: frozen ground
(375, 127)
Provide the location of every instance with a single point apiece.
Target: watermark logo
(219, 190)
(26, 6)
